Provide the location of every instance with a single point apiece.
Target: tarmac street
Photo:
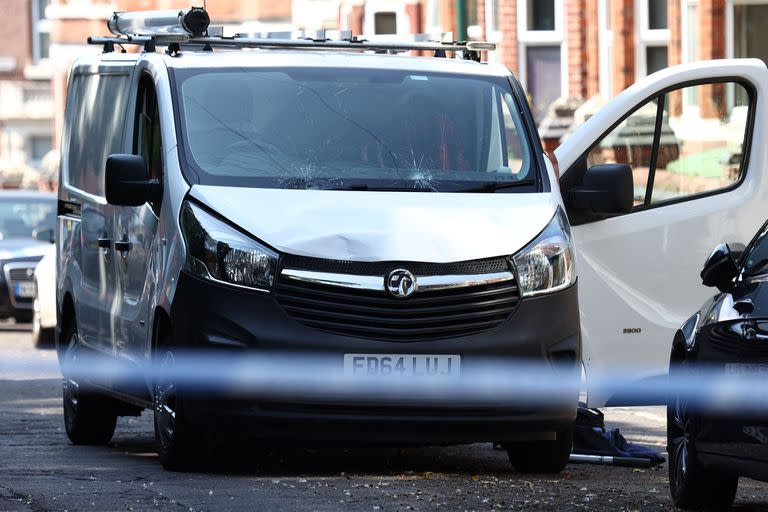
(41, 471)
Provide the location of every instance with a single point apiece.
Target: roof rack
(189, 29)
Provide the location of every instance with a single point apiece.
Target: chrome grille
(15, 273)
(21, 274)
(375, 314)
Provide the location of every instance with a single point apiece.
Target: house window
(750, 38)
(432, 21)
(655, 58)
(385, 23)
(541, 15)
(39, 146)
(657, 14)
(690, 26)
(653, 37)
(492, 25)
(41, 31)
(543, 67)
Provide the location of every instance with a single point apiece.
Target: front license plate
(24, 290)
(402, 365)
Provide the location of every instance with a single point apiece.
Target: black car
(27, 223)
(716, 435)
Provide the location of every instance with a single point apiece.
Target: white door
(695, 137)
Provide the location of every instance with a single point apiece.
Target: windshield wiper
(369, 188)
(499, 185)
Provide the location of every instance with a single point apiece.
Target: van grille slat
(311, 304)
(371, 314)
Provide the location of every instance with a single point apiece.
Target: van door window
(706, 148)
(96, 130)
(147, 140)
(678, 150)
(630, 143)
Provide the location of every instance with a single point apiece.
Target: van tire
(545, 457)
(180, 446)
(89, 416)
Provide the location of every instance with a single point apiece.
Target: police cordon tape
(738, 388)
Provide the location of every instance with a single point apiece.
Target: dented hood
(384, 226)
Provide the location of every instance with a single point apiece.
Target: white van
(387, 211)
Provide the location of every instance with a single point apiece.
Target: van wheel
(547, 457)
(89, 417)
(178, 443)
(692, 486)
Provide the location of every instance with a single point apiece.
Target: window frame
(605, 50)
(647, 38)
(372, 7)
(432, 16)
(687, 45)
(746, 148)
(527, 38)
(86, 72)
(146, 82)
(492, 25)
(40, 25)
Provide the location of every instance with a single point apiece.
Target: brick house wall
(580, 24)
(16, 50)
(576, 36)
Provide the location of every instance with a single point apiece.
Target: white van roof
(306, 58)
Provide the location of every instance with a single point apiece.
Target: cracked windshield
(353, 129)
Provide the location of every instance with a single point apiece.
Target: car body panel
(734, 345)
(384, 226)
(45, 279)
(636, 284)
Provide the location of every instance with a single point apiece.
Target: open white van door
(695, 138)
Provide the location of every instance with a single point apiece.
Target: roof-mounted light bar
(171, 25)
(190, 29)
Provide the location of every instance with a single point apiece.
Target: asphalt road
(40, 470)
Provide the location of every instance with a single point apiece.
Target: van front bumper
(543, 330)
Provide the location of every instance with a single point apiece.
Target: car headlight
(219, 252)
(689, 330)
(546, 264)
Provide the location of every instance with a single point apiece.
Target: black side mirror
(720, 269)
(737, 249)
(44, 235)
(606, 189)
(126, 182)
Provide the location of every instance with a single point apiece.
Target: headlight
(546, 264)
(218, 252)
(689, 329)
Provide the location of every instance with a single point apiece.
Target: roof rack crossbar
(470, 47)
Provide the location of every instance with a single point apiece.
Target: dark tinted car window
(756, 258)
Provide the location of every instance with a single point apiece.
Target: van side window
(682, 144)
(147, 140)
(96, 131)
